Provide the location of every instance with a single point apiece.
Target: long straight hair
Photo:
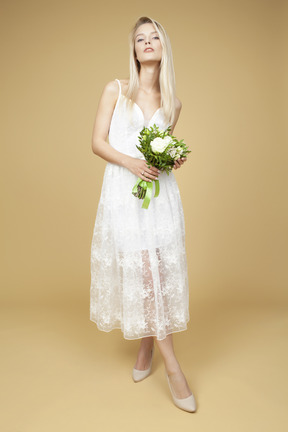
(166, 76)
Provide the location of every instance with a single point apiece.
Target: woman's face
(147, 44)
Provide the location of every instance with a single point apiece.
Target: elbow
(95, 147)
(98, 146)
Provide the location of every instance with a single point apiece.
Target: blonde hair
(166, 76)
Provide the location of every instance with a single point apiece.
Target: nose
(147, 42)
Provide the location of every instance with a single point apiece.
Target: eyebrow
(143, 33)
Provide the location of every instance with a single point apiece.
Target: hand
(179, 162)
(140, 168)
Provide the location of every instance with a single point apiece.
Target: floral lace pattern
(139, 280)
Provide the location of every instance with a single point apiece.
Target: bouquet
(160, 150)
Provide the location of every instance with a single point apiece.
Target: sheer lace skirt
(139, 277)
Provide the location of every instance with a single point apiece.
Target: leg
(144, 353)
(173, 369)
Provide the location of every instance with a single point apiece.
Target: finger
(152, 170)
(150, 175)
(178, 163)
(143, 176)
(153, 174)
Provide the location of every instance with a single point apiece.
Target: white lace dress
(139, 280)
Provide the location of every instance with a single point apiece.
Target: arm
(178, 162)
(101, 127)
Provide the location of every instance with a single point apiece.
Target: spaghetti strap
(119, 86)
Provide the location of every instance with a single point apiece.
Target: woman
(138, 262)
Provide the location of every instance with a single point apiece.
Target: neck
(149, 78)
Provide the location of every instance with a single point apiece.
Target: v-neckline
(140, 110)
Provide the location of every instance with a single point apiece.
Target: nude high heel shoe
(139, 375)
(186, 404)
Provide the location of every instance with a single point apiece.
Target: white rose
(168, 139)
(158, 145)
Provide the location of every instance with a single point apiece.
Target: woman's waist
(117, 170)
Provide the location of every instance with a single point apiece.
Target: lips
(148, 49)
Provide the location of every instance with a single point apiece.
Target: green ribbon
(134, 190)
(147, 190)
(157, 188)
(148, 195)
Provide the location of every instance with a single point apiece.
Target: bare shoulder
(111, 88)
(178, 104)
(110, 94)
(124, 81)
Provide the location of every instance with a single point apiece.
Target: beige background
(231, 72)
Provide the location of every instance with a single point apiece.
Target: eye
(156, 37)
(139, 40)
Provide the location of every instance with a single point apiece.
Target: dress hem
(140, 337)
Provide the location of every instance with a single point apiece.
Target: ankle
(173, 369)
(144, 351)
